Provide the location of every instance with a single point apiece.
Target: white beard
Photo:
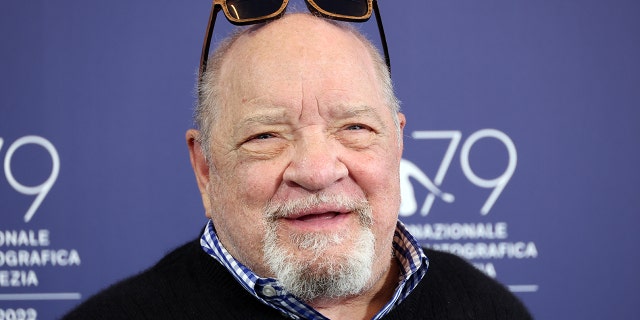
(318, 273)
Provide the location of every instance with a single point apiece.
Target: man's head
(298, 156)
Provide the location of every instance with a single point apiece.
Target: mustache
(275, 210)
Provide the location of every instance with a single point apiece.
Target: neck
(364, 305)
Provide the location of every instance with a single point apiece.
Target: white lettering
(459, 231)
(481, 250)
(18, 314)
(24, 238)
(18, 278)
(39, 258)
(487, 268)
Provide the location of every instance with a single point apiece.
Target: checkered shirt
(413, 265)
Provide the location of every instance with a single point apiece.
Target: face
(305, 158)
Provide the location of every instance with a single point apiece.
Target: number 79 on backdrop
(41, 190)
(410, 170)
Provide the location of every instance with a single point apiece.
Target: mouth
(317, 219)
(315, 216)
(320, 212)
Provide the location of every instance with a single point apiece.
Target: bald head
(297, 45)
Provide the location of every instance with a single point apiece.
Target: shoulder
(454, 289)
(450, 272)
(186, 284)
(127, 297)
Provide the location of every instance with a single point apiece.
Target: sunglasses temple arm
(207, 40)
(383, 38)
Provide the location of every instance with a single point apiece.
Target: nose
(315, 164)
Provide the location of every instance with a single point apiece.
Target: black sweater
(189, 284)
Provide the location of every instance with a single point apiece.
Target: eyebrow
(267, 117)
(361, 111)
(274, 117)
(264, 118)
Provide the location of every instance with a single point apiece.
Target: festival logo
(26, 252)
(472, 235)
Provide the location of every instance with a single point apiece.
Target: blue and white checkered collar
(411, 258)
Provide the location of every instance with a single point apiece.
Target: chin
(320, 265)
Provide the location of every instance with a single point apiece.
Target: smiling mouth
(317, 221)
(316, 216)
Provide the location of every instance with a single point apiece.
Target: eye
(356, 127)
(356, 135)
(357, 130)
(258, 138)
(262, 136)
(264, 145)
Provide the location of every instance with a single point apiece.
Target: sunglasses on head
(243, 12)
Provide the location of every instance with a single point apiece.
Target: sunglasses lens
(350, 8)
(242, 10)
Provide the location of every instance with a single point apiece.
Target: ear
(402, 121)
(200, 168)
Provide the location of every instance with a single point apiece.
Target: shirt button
(269, 291)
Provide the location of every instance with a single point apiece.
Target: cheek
(378, 177)
(239, 196)
(250, 184)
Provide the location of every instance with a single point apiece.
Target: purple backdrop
(521, 144)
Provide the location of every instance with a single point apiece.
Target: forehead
(298, 48)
